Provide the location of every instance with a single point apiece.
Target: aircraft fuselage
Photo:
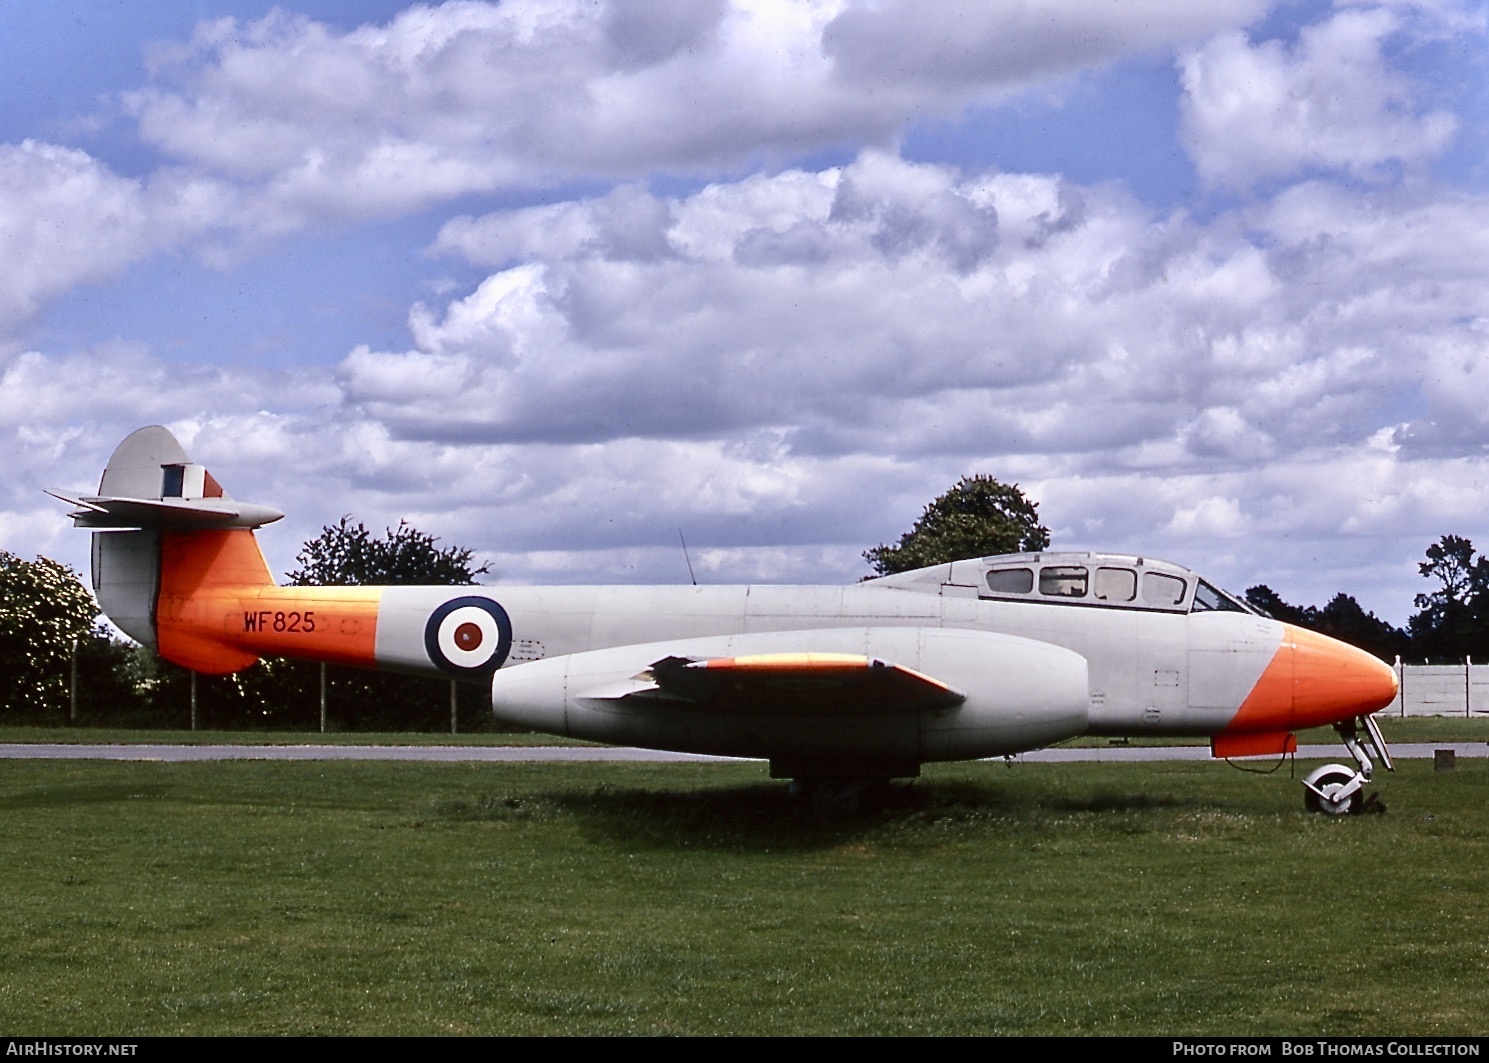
(975, 658)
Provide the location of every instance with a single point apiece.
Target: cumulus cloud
(62, 415)
(1213, 517)
(66, 219)
(472, 96)
(276, 124)
(1455, 384)
(116, 379)
(903, 43)
(1329, 102)
(914, 309)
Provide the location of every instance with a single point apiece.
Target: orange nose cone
(1334, 681)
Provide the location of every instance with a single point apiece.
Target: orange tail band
(219, 610)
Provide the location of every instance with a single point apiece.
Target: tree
(48, 626)
(44, 611)
(1265, 600)
(978, 517)
(1343, 619)
(1452, 622)
(347, 555)
(1346, 620)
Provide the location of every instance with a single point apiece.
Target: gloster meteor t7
(977, 658)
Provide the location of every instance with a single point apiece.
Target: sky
(562, 282)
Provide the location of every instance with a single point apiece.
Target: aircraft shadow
(766, 817)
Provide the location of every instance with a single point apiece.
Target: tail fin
(176, 565)
(163, 531)
(149, 482)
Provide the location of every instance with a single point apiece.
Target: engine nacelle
(1015, 694)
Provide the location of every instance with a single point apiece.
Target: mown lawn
(409, 898)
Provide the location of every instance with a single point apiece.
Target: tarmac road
(559, 754)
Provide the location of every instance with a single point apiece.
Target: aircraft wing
(816, 684)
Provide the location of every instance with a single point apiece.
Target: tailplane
(176, 566)
(149, 482)
(165, 530)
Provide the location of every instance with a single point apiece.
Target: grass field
(362, 898)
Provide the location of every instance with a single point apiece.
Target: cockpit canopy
(1116, 581)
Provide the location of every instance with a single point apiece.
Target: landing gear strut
(1336, 789)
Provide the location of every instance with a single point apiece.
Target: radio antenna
(686, 558)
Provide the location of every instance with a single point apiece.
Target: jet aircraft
(833, 685)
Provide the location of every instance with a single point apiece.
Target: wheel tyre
(1328, 785)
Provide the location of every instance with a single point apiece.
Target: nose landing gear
(1336, 789)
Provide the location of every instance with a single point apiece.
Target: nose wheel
(1336, 789)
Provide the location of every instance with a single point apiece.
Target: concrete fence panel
(1442, 690)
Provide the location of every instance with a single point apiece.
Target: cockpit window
(1208, 599)
(1063, 581)
(1161, 589)
(1010, 580)
(1116, 584)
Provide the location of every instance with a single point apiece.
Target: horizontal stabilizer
(827, 684)
(150, 483)
(179, 513)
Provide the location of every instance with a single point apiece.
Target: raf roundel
(468, 636)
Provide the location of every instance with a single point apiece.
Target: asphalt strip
(561, 754)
